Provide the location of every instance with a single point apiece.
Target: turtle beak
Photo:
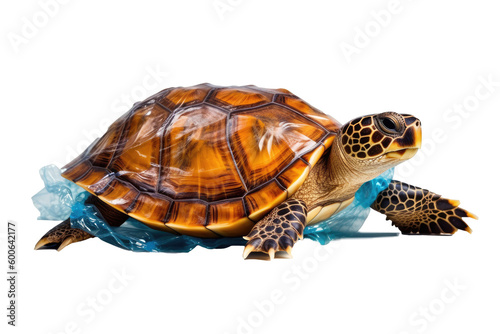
(406, 146)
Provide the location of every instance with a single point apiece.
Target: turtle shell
(205, 161)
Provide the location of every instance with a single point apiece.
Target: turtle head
(381, 141)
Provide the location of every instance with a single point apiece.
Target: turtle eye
(389, 125)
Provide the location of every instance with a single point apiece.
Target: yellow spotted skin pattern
(364, 139)
(419, 211)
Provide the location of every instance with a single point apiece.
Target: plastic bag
(57, 198)
(350, 219)
(61, 199)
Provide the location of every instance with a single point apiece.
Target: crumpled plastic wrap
(61, 199)
(350, 220)
(58, 196)
(134, 235)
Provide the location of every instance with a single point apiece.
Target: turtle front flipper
(61, 236)
(277, 232)
(419, 211)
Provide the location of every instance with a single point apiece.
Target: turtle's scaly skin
(364, 140)
(419, 211)
(205, 161)
(278, 231)
(61, 236)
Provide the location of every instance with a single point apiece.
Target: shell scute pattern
(205, 160)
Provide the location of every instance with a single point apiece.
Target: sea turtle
(243, 161)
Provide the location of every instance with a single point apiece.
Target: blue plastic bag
(56, 199)
(62, 198)
(350, 220)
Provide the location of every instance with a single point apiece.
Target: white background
(66, 79)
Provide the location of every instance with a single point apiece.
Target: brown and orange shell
(205, 161)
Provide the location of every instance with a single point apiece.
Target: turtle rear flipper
(63, 234)
(419, 211)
